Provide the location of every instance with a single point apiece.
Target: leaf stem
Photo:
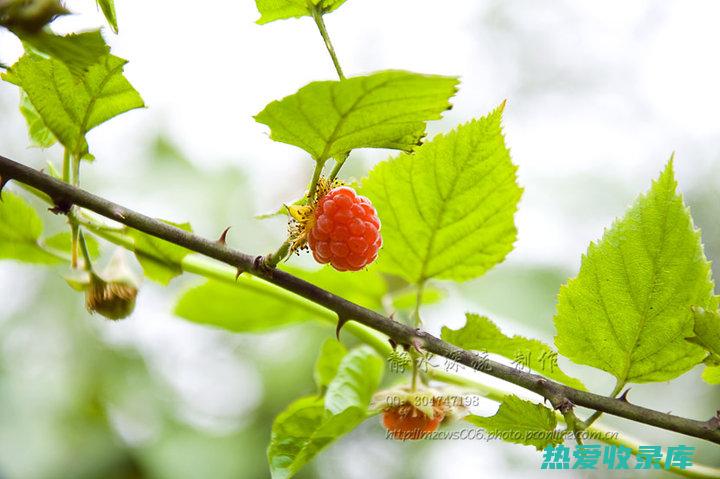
(317, 15)
(85, 252)
(319, 165)
(596, 415)
(339, 162)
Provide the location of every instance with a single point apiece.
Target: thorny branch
(65, 196)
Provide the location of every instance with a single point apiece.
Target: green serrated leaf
(521, 422)
(62, 242)
(383, 110)
(711, 374)
(108, 9)
(628, 310)
(357, 379)
(160, 260)
(69, 105)
(447, 210)
(271, 10)
(20, 230)
(302, 430)
(328, 361)
(38, 132)
(77, 51)
(481, 334)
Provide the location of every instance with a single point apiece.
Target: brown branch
(65, 196)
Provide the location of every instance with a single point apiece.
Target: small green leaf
(69, 105)
(707, 330)
(357, 379)
(247, 307)
(521, 422)
(481, 334)
(383, 110)
(77, 51)
(628, 310)
(271, 10)
(62, 242)
(38, 132)
(328, 361)
(302, 430)
(160, 260)
(20, 229)
(108, 9)
(711, 374)
(448, 209)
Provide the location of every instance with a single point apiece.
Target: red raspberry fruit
(346, 232)
(406, 422)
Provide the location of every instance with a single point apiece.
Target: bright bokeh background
(599, 96)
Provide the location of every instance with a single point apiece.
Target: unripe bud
(113, 293)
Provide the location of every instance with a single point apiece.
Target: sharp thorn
(417, 343)
(223, 236)
(392, 316)
(341, 322)
(238, 273)
(62, 206)
(623, 396)
(393, 343)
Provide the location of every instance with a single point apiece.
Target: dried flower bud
(113, 293)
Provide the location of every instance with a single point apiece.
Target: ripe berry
(346, 230)
(407, 422)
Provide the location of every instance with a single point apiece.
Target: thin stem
(317, 15)
(76, 170)
(400, 333)
(85, 252)
(273, 259)
(418, 302)
(596, 415)
(66, 166)
(319, 165)
(339, 162)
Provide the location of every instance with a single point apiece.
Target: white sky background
(600, 93)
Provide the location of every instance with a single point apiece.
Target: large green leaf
(246, 307)
(383, 110)
(521, 422)
(160, 259)
(20, 230)
(357, 378)
(481, 334)
(71, 105)
(77, 51)
(251, 305)
(628, 311)
(302, 430)
(328, 362)
(271, 10)
(447, 210)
